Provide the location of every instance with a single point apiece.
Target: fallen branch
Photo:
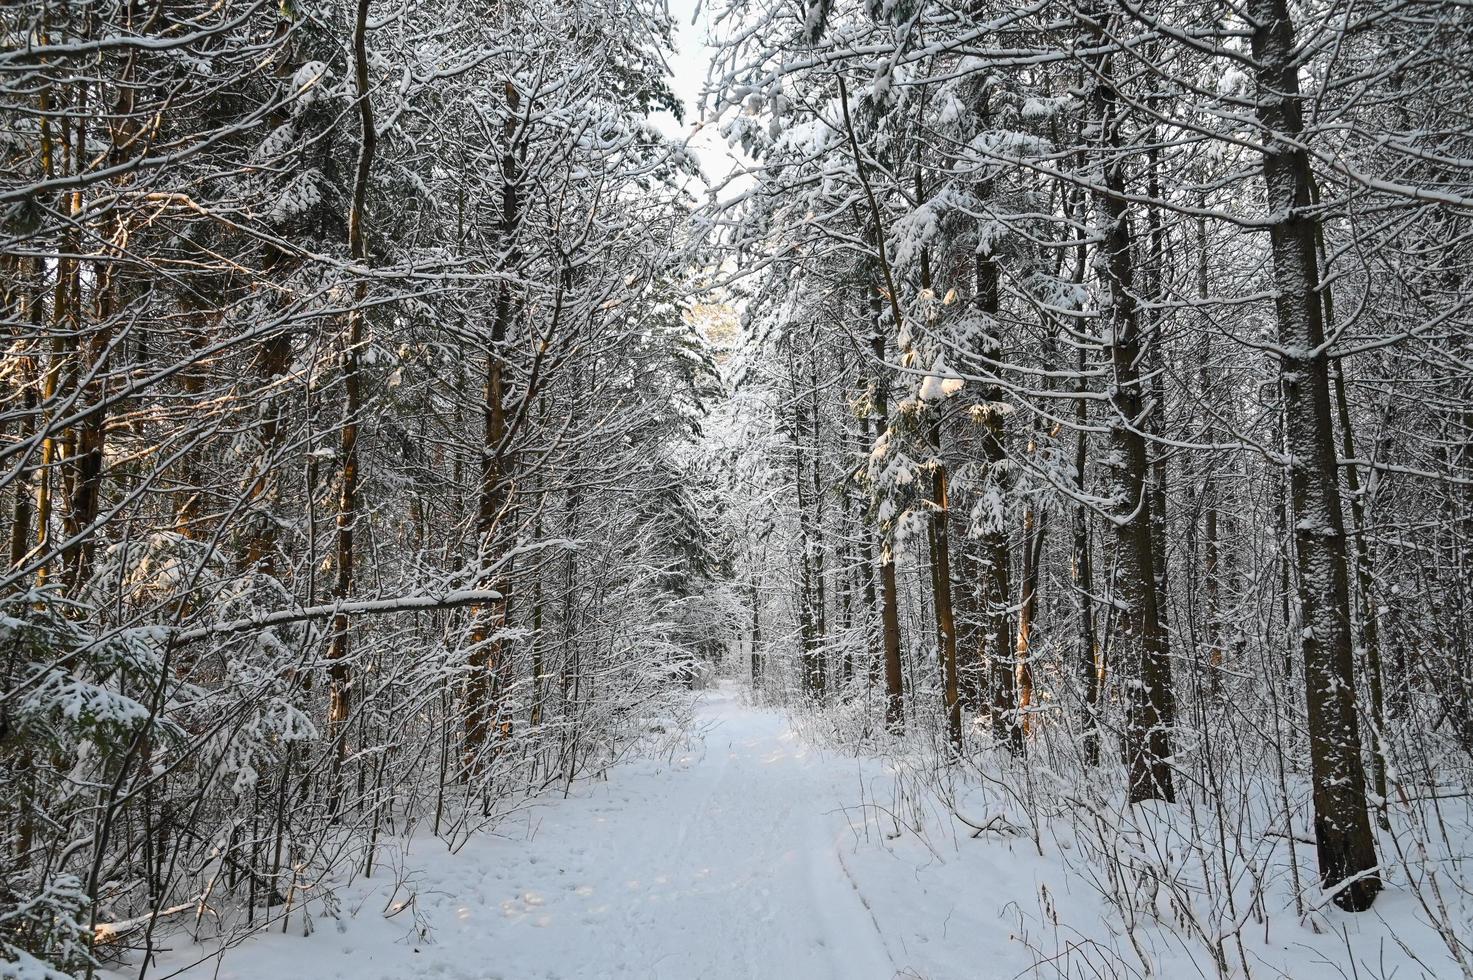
(365, 607)
(997, 824)
(111, 933)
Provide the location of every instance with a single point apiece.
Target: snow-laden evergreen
(990, 496)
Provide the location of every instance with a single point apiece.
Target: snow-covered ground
(723, 861)
(748, 855)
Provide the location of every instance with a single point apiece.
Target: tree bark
(340, 697)
(890, 607)
(494, 501)
(941, 579)
(1139, 640)
(1033, 531)
(811, 668)
(1083, 574)
(997, 638)
(889, 588)
(1345, 846)
(30, 308)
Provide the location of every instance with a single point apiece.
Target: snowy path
(729, 869)
(726, 865)
(745, 857)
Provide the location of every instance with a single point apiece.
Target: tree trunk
(488, 621)
(812, 676)
(889, 589)
(941, 583)
(1346, 848)
(1033, 529)
(32, 309)
(1365, 574)
(756, 651)
(1089, 666)
(997, 591)
(1211, 560)
(84, 479)
(1139, 641)
(340, 697)
(819, 668)
(260, 550)
(894, 685)
(940, 534)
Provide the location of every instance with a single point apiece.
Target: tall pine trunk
(340, 698)
(997, 635)
(889, 587)
(1139, 640)
(941, 583)
(1345, 847)
(493, 502)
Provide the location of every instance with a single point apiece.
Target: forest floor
(746, 854)
(724, 860)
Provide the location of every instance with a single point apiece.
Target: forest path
(721, 862)
(729, 868)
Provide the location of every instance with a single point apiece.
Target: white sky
(688, 73)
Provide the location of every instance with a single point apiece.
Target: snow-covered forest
(758, 488)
